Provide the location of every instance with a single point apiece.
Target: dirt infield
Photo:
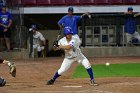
(33, 74)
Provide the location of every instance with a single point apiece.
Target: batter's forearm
(68, 47)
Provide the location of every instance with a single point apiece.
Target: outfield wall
(111, 51)
(88, 52)
(51, 35)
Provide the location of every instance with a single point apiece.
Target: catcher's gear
(2, 82)
(12, 70)
(55, 44)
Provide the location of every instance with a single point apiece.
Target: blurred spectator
(130, 26)
(38, 41)
(5, 24)
(2, 3)
(71, 20)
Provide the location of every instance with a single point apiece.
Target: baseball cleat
(12, 70)
(93, 83)
(50, 82)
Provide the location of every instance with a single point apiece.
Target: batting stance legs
(66, 65)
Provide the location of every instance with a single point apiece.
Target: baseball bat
(57, 38)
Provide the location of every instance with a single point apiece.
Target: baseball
(107, 64)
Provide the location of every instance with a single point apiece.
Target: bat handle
(58, 37)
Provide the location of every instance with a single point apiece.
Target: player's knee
(87, 67)
(61, 71)
(86, 63)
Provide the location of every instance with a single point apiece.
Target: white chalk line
(72, 86)
(62, 91)
(46, 91)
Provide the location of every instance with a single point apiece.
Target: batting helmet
(130, 9)
(70, 9)
(67, 30)
(2, 82)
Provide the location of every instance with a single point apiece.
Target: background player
(12, 70)
(38, 41)
(70, 45)
(130, 27)
(71, 21)
(5, 24)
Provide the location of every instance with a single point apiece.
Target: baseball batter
(37, 39)
(70, 45)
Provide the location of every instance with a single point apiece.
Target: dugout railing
(105, 30)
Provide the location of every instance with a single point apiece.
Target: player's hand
(55, 44)
(56, 48)
(5, 30)
(136, 14)
(30, 29)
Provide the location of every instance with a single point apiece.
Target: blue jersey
(70, 21)
(4, 18)
(130, 25)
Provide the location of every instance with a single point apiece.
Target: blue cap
(67, 30)
(70, 9)
(130, 9)
(34, 27)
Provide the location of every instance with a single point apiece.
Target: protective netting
(19, 32)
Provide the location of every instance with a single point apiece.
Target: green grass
(114, 70)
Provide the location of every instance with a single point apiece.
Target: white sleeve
(41, 37)
(59, 42)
